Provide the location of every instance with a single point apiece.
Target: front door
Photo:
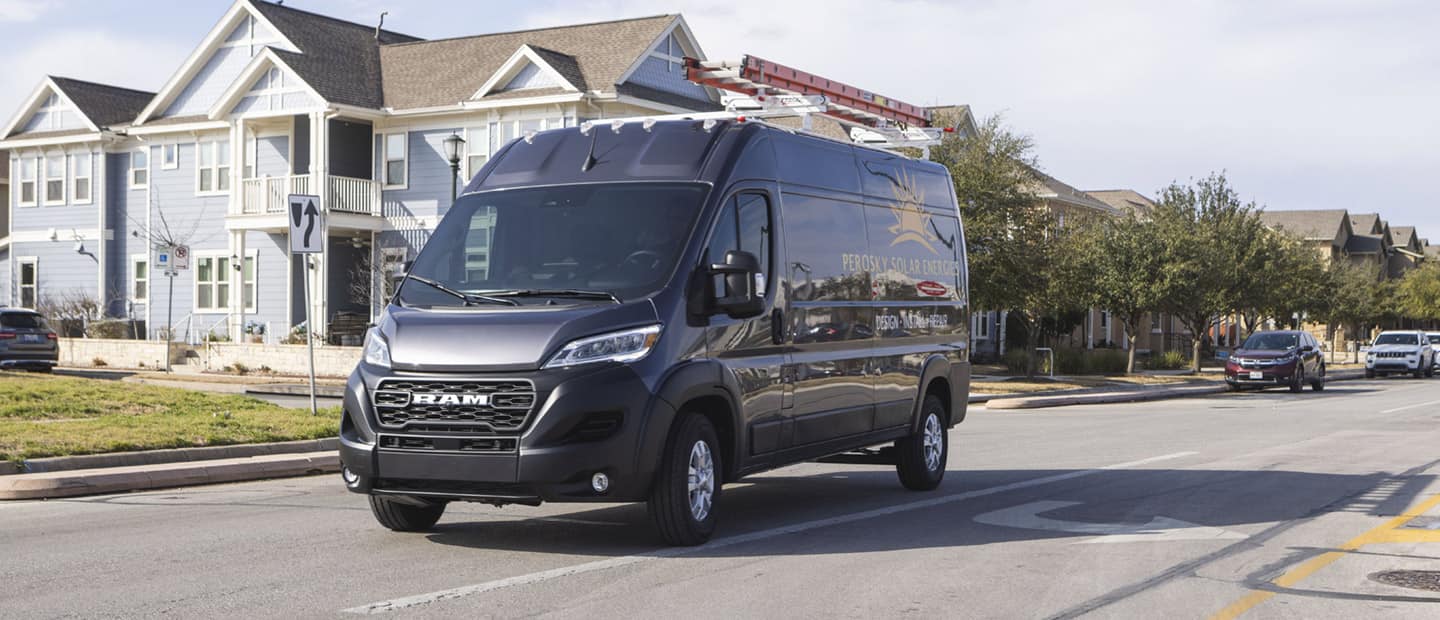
(750, 348)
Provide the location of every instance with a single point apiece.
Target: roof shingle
(104, 104)
(1312, 224)
(339, 59)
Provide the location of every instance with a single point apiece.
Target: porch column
(237, 286)
(237, 165)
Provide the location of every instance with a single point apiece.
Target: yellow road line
(1383, 533)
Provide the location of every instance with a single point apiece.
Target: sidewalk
(163, 475)
(1107, 395)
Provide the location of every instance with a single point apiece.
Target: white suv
(1400, 352)
(1434, 345)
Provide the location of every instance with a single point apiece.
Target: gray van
(643, 312)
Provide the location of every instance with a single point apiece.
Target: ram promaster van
(646, 311)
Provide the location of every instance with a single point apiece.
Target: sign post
(307, 236)
(171, 259)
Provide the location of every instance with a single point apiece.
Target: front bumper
(1268, 375)
(552, 458)
(1394, 364)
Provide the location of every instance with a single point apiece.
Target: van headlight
(623, 346)
(377, 351)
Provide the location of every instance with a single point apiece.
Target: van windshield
(593, 243)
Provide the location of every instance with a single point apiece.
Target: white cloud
(24, 10)
(1307, 104)
(92, 55)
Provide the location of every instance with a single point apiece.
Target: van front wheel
(683, 501)
(403, 517)
(922, 456)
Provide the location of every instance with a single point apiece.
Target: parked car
(1400, 352)
(662, 309)
(26, 341)
(1285, 357)
(1434, 338)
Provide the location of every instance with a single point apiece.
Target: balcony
(342, 194)
(263, 203)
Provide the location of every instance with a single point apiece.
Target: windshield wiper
(468, 298)
(556, 292)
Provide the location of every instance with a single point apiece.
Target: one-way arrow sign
(307, 224)
(1158, 529)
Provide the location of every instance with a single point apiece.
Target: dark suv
(26, 341)
(1289, 358)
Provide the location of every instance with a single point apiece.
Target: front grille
(488, 406)
(448, 444)
(1393, 354)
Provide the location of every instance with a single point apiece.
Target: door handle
(777, 326)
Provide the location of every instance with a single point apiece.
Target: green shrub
(1016, 361)
(1169, 360)
(114, 329)
(1092, 362)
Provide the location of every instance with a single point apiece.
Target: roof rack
(902, 126)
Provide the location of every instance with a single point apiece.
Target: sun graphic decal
(912, 223)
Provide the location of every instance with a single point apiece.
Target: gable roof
(1367, 223)
(448, 71)
(1051, 188)
(103, 104)
(543, 60)
(1311, 224)
(1402, 236)
(1126, 200)
(339, 59)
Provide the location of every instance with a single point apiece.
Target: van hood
(499, 339)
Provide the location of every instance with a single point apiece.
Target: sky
(1304, 104)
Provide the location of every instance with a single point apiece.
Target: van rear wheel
(403, 517)
(922, 456)
(683, 501)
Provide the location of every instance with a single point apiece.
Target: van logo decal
(912, 223)
(451, 400)
(931, 288)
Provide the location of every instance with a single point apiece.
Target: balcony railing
(343, 194)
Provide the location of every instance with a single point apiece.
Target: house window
(169, 156)
(212, 283)
(27, 181)
(1105, 322)
(212, 174)
(139, 277)
(247, 284)
(80, 173)
(982, 326)
(1154, 321)
(394, 158)
(29, 282)
(54, 179)
(140, 168)
(477, 149)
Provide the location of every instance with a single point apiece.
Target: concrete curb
(295, 389)
(1133, 396)
(176, 455)
(141, 477)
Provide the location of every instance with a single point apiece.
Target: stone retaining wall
(129, 354)
(286, 359)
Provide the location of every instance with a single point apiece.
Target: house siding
(172, 193)
(219, 72)
(272, 156)
(54, 120)
(530, 76)
(272, 281)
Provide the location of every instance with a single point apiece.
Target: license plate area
(31, 338)
(1256, 374)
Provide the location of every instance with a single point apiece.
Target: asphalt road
(1267, 505)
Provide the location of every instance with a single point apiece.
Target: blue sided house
(277, 101)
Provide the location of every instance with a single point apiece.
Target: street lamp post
(453, 146)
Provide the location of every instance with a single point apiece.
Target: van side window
(743, 225)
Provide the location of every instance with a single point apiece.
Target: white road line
(1415, 406)
(590, 567)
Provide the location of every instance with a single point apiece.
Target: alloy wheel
(701, 480)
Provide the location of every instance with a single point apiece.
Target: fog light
(351, 478)
(600, 482)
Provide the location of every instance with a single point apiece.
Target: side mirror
(742, 297)
(1306, 349)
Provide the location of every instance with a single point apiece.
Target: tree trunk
(1031, 360)
(1195, 355)
(1130, 362)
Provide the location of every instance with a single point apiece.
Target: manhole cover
(1413, 579)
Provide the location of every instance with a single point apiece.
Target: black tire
(1231, 387)
(1430, 371)
(1318, 383)
(1418, 374)
(922, 456)
(403, 517)
(670, 504)
(1297, 378)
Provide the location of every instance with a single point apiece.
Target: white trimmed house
(275, 101)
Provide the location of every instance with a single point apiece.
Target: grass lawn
(42, 415)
